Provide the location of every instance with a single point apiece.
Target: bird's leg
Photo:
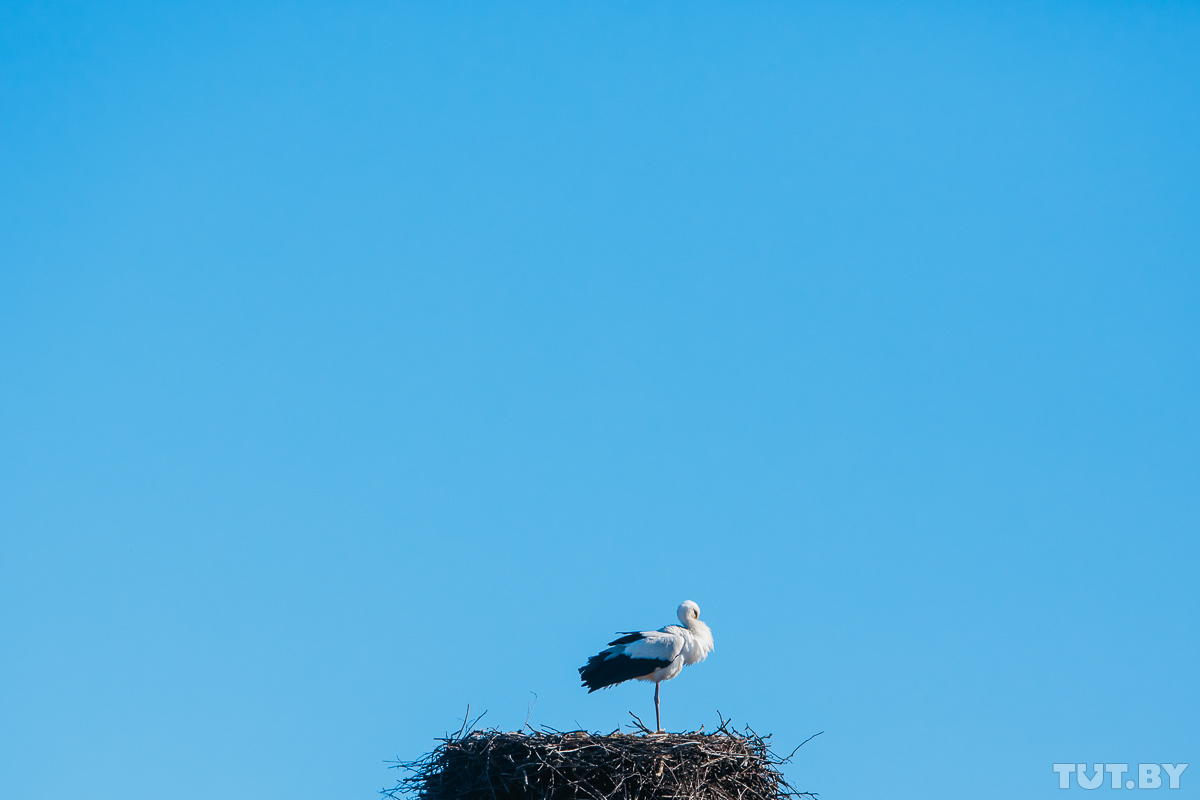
(657, 721)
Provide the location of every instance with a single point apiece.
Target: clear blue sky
(360, 361)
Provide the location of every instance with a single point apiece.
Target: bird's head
(688, 611)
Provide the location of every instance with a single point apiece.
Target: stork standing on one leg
(651, 655)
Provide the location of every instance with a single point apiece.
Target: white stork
(651, 655)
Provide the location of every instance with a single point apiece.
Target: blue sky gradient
(361, 361)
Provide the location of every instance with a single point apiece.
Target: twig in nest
(641, 725)
(806, 741)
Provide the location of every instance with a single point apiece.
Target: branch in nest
(641, 726)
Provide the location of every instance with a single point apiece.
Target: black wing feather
(603, 670)
(629, 638)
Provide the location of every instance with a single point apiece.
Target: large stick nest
(555, 765)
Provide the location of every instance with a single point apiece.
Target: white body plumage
(679, 645)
